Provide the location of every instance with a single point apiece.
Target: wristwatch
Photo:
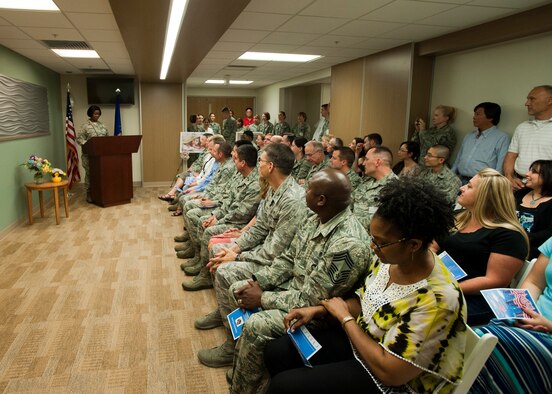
(238, 257)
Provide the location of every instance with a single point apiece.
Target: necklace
(533, 199)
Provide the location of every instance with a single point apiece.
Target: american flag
(73, 173)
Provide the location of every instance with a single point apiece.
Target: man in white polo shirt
(532, 139)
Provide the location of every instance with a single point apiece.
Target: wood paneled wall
(161, 126)
(380, 93)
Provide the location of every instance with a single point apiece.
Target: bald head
(331, 191)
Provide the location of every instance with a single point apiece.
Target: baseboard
(157, 184)
(24, 220)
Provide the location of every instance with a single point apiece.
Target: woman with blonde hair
(441, 133)
(489, 244)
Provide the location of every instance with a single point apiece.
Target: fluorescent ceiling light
(78, 53)
(233, 82)
(215, 81)
(35, 5)
(278, 57)
(176, 15)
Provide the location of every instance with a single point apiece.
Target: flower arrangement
(39, 166)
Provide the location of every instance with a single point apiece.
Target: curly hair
(416, 209)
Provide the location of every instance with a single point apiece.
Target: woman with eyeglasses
(408, 155)
(490, 245)
(534, 204)
(404, 330)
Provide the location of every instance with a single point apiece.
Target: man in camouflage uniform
(282, 213)
(214, 190)
(314, 153)
(235, 210)
(342, 159)
(302, 128)
(229, 126)
(437, 172)
(377, 168)
(327, 258)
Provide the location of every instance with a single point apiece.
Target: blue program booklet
(452, 266)
(507, 303)
(237, 318)
(305, 343)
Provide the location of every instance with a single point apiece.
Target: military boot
(182, 246)
(185, 254)
(182, 237)
(217, 357)
(211, 320)
(200, 282)
(172, 207)
(229, 376)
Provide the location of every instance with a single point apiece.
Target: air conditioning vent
(240, 68)
(63, 44)
(102, 71)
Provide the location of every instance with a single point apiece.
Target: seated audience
(441, 133)
(534, 205)
(334, 142)
(490, 245)
(522, 359)
(485, 147)
(377, 171)
(301, 166)
(357, 145)
(302, 128)
(260, 141)
(373, 140)
(342, 159)
(437, 172)
(288, 138)
(281, 127)
(404, 330)
(408, 155)
(326, 259)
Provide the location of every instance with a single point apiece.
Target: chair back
(478, 350)
(522, 273)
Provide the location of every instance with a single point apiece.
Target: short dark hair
(207, 135)
(300, 142)
(283, 113)
(281, 156)
(544, 169)
(248, 133)
(92, 109)
(249, 109)
(384, 151)
(325, 106)
(412, 147)
(248, 153)
(416, 209)
(491, 110)
(359, 140)
(346, 153)
(225, 148)
(303, 114)
(193, 118)
(290, 137)
(267, 115)
(225, 109)
(376, 137)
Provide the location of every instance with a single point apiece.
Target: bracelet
(346, 319)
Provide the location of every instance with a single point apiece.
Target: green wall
(12, 153)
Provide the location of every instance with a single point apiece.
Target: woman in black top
(534, 205)
(490, 244)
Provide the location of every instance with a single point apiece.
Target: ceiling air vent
(62, 44)
(102, 71)
(240, 68)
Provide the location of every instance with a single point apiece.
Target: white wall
(502, 73)
(130, 116)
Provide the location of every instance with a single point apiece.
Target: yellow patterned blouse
(423, 323)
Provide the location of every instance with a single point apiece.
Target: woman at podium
(92, 128)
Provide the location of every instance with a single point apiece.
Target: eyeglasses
(380, 247)
(433, 156)
(312, 154)
(264, 161)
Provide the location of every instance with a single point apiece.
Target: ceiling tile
(237, 35)
(122, 70)
(4, 22)
(415, 33)
(312, 24)
(35, 18)
(407, 11)
(465, 16)
(12, 32)
(343, 8)
(509, 3)
(289, 7)
(102, 35)
(278, 48)
(380, 43)
(361, 28)
(53, 33)
(259, 21)
(96, 6)
(100, 46)
(92, 21)
(87, 63)
(229, 56)
(21, 44)
(286, 38)
(232, 46)
(334, 40)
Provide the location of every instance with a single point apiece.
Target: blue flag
(118, 130)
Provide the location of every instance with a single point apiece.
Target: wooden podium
(110, 162)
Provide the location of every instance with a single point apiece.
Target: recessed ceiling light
(233, 82)
(278, 57)
(215, 81)
(35, 5)
(77, 53)
(176, 16)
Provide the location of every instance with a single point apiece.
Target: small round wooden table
(47, 186)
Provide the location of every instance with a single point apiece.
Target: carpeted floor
(95, 305)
